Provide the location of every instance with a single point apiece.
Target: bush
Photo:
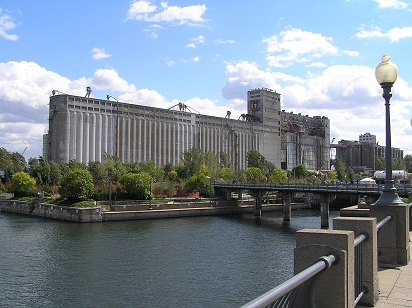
(22, 184)
(137, 185)
(76, 184)
(84, 204)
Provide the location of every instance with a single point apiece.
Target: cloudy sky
(320, 55)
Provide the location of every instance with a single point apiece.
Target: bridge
(323, 193)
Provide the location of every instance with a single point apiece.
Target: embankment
(132, 211)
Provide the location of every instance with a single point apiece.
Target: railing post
(393, 239)
(334, 287)
(368, 266)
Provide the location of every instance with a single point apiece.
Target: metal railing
(319, 187)
(295, 291)
(360, 289)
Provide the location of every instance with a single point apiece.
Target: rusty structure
(305, 140)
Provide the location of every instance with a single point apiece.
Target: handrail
(382, 222)
(359, 239)
(294, 282)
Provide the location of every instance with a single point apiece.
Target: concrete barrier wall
(51, 211)
(153, 214)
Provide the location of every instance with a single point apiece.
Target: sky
(319, 55)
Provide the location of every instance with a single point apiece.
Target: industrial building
(83, 128)
(361, 155)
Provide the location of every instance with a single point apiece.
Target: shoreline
(102, 214)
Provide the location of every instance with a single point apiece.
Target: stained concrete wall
(51, 211)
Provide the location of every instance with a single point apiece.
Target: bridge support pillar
(228, 195)
(324, 201)
(258, 203)
(286, 208)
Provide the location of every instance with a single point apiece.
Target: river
(214, 261)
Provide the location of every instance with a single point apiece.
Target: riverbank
(102, 213)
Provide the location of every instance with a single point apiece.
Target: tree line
(111, 179)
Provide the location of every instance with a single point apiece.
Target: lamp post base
(389, 195)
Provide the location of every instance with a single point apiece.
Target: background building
(83, 128)
(361, 155)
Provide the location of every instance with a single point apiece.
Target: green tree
(351, 175)
(278, 176)
(408, 162)
(340, 168)
(172, 175)
(55, 173)
(11, 163)
(192, 160)
(39, 169)
(22, 183)
(137, 185)
(257, 160)
(76, 184)
(380, 163)
(227, 173)
(398, 164)
(300, 172)
(332, 176)
(199, 182)
(19, 163)
(98, 172)
(224, 160)
(254, 174)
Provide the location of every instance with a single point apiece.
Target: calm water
(222, 261)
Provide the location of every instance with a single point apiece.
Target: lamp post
(386, 74)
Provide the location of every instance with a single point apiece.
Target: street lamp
(386, 74)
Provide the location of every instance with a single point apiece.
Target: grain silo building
(83, 128)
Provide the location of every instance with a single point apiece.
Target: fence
(360, 258)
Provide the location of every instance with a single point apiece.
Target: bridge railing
(295, 291)
(317, 187)
(354, 278)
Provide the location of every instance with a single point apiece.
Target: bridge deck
(402, 190)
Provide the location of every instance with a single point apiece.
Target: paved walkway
(395, 286)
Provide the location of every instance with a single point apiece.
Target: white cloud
(144, 97)
(316, 64)
(25, 88)
(219, 41)
(348, 95)
(196, 59)
(396, 4)
(7, 24)
(351, 53)
(144, 10)
(110, 79)
(295, 45)
(394, 35)
(99, 53)
(197, 40)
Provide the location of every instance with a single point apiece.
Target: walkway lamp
(386, 74)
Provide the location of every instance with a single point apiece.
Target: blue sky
(320, 55)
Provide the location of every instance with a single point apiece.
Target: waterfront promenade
(395, 286)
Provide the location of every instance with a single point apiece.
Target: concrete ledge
(354, 211)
